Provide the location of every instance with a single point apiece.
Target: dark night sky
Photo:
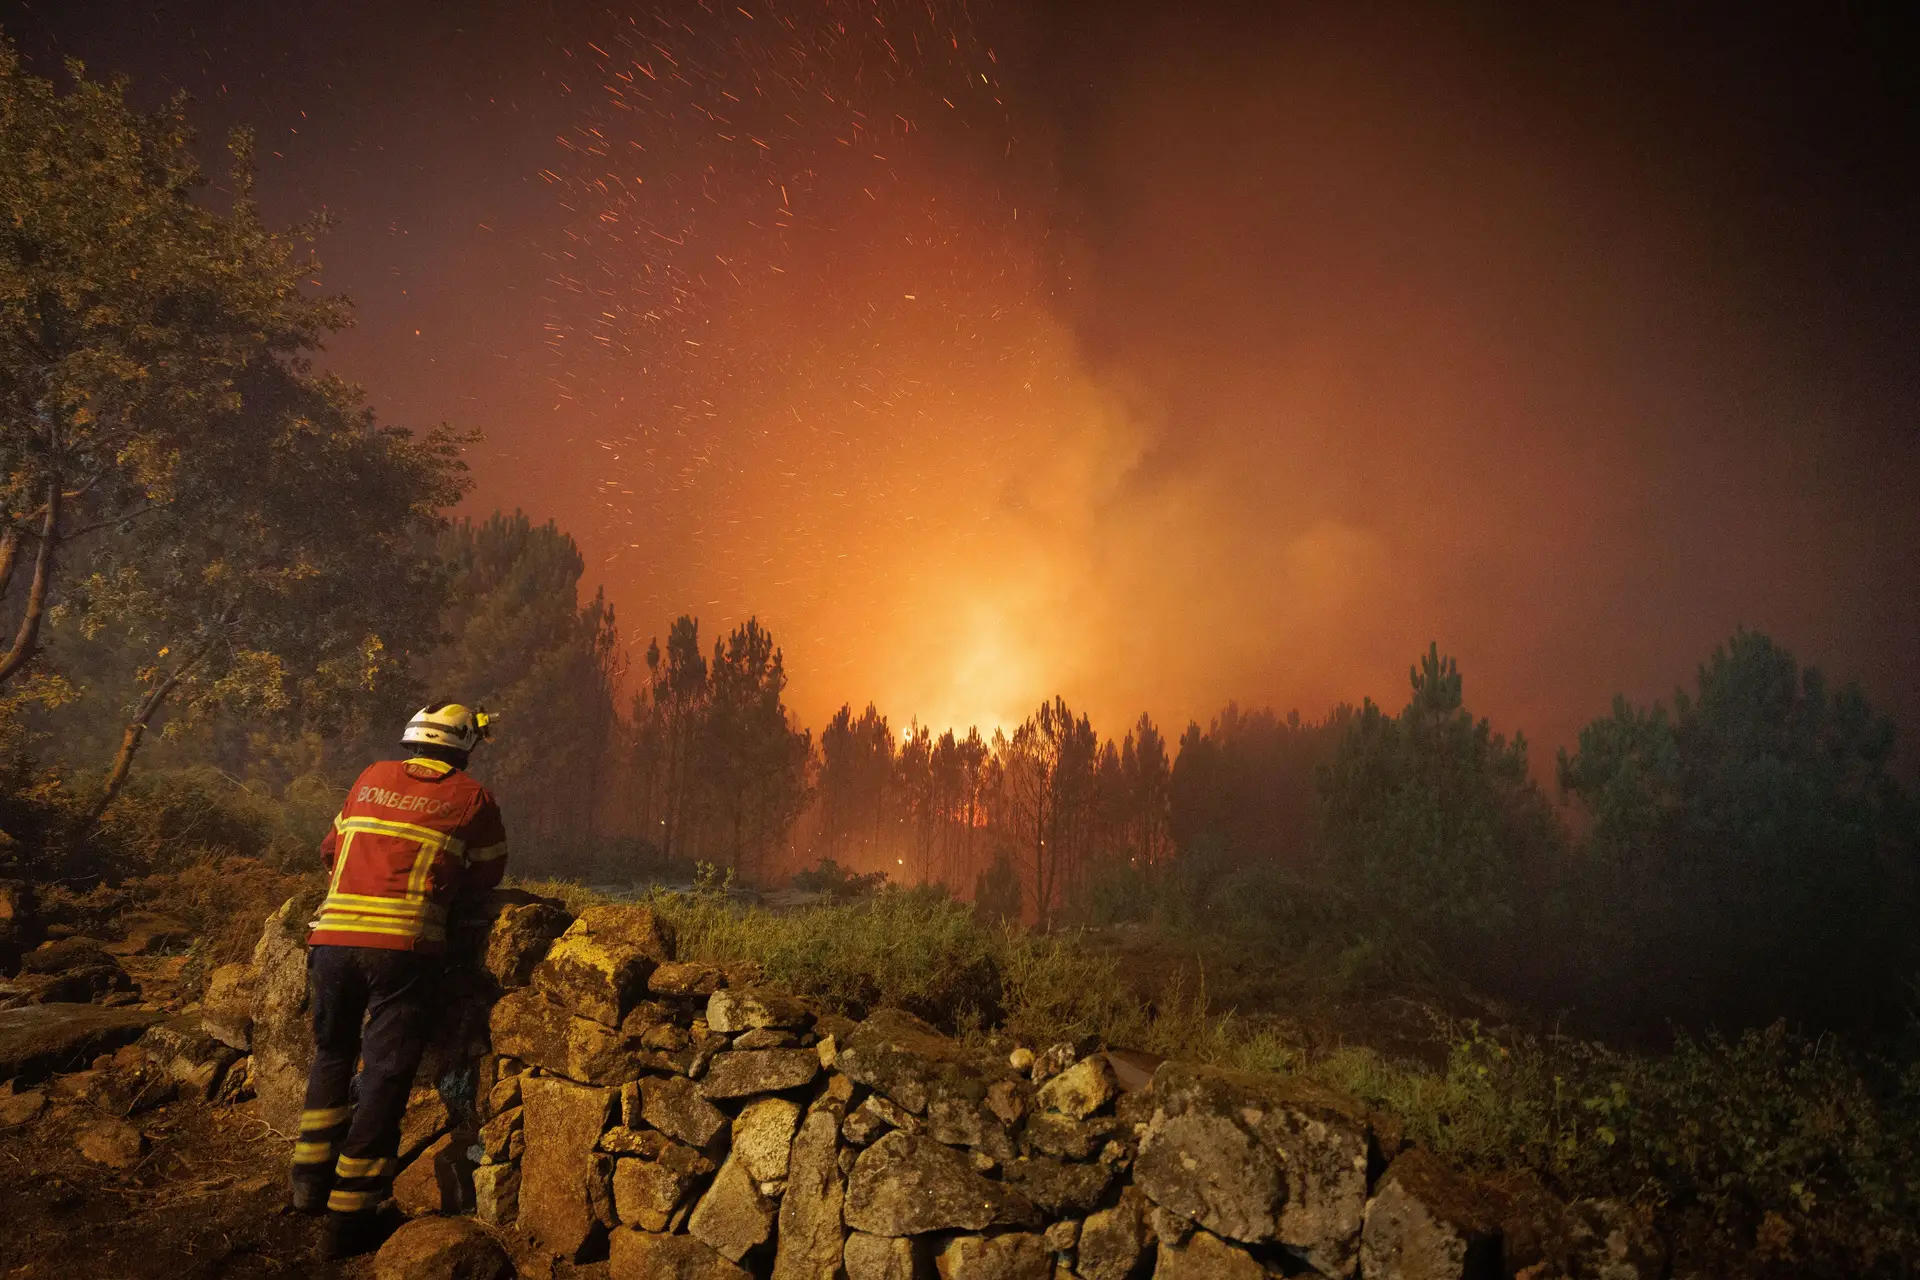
(1154, 354)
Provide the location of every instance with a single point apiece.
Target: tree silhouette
(752, 761)
(1750, 853)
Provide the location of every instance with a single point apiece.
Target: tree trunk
(136, 731)
(9, 556)
(1042, 884)
(26, 641)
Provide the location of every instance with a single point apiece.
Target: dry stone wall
(686, 1120)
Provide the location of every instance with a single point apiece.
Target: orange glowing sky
(1154, 360)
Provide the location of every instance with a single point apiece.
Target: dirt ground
(204, 1201)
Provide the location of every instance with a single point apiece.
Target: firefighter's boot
(348, 1235)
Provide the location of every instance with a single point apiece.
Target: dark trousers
(351, 1144)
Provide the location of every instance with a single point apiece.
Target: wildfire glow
(1203, 376)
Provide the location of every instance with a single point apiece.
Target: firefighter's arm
(485, 836)
(330, 845)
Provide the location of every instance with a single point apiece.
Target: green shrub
(996, 891)
(1795, 1130)
(302, 818)
(836, 881)
(171, 819)
(916, 949)
(1056, 988)
(1768, 1124)
(1117, 892)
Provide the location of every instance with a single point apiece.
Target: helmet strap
(435, 751)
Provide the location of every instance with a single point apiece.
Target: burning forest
(883, 639)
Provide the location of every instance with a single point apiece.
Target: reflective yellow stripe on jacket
(409, 916)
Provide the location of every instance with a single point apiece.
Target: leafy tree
(921, 802)
(721, 769)
(674, 718)
(835, 881)
(524, 645)
(753, 762)
(996, 890)
(1431, 817)
(246, 593)
(1244, 789)
(970, 776)
(129, 315)
(1750, 853)
(857, 786)
(1048, 765)
(1146, 790)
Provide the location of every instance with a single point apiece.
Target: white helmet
(448, 724)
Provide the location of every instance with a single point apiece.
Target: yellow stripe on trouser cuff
(339, 1201)
(323, 1117)
(313, 1153)
(364, 1166)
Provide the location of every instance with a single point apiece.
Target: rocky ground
(126, 1146)
(183, 1191)
(131, 1145)
(608, 1111)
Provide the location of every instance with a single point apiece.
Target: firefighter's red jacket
(412, 835)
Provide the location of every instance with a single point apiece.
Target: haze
(986, 354)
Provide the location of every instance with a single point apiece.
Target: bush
(608, 860)
(575, 897)
(1769, 1126)
(836, 881)
(168, 820)
(996, 891)
(1751, 853)
(916, 949)
(1116, 891)
(1335, 946)
(1055, 988)
(36, 814)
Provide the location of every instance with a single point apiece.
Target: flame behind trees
(1045, 806)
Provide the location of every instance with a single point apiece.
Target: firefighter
(413, 835)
